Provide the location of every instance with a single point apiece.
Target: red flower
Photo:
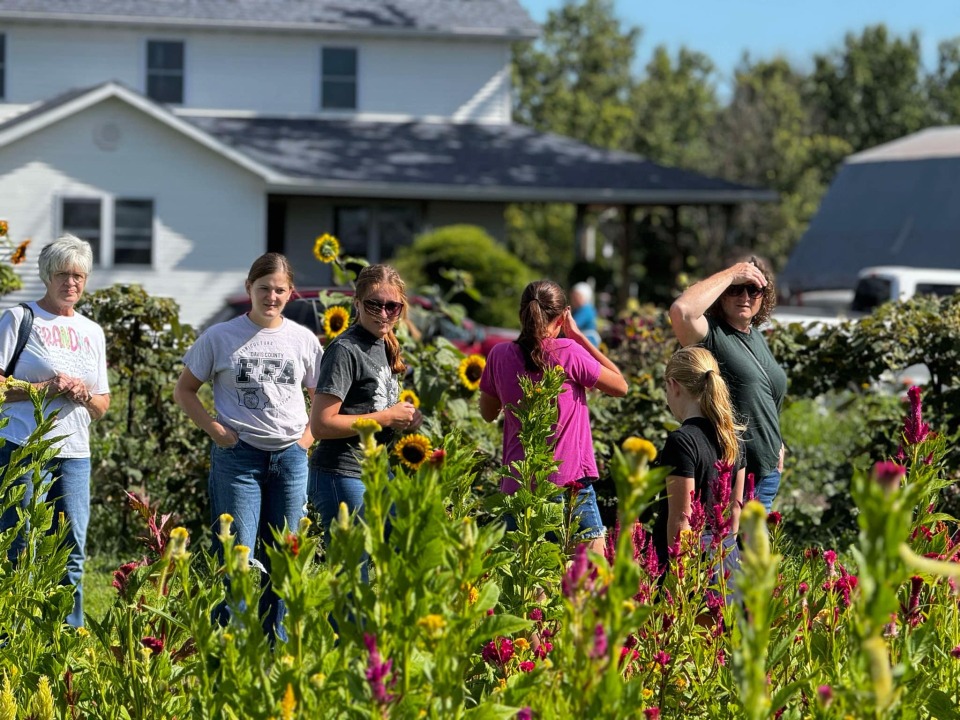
(498, 651)
(662, 658)
(887, 474)
(955, 653)
(536, 615)
(915, 430)
(293, 542)
(377, 671)
(121, 576)
(438, 456)
(599, 642)
(527, 666)
(525, 714)
(153, 644)
(774, 519)
(652, 713)
(825, 693)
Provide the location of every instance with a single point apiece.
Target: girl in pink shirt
(544, 314)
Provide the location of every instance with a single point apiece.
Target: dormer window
(165, 71)
(338, 89)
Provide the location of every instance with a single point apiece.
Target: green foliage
(497, 275)
(143, 442)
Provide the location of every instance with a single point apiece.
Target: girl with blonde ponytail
(708, 437)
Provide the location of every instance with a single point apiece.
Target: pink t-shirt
(574, 448)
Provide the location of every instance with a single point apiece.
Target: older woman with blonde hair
(64, 357)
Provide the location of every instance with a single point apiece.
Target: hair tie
(707, 373)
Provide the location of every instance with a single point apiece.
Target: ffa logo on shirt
(253, 399)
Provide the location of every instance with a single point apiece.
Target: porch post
(626, 242)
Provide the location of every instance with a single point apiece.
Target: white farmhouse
(183, 138)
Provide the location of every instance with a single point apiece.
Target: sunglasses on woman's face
(377, 308)
(752, 291)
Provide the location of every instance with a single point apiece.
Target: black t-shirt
(354, 368)
(692, 450)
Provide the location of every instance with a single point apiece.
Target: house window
(338, 89)
(3, 66)
(82, 217)
(165, 71)
(127, 239)
(375, 231)
(132, 232)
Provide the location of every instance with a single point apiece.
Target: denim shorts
(590, 526)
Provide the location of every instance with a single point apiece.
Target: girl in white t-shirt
(258, 364)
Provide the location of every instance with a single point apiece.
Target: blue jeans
(766, 489)
(262, 490)
(71, 496)
(326, 491)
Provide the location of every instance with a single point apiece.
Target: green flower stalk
(758, 580)
(8, 706)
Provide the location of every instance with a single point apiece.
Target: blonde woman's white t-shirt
(72, 346)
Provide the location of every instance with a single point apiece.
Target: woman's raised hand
(745, 273)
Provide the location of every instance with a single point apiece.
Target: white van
(877, 285)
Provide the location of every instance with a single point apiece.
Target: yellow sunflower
(326, 248)
(639, 446)
(20, 254)
(335, 321)
(470, 371)
(413, 450)
(411, 397)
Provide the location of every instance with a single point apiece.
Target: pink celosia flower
(377, 671)
(121, 576)
(697, 518)
(536, 615)
(599, 642)
(610, 546)
(830, 558)
(525, 714)
(774, 519)
(803, 588)
(527, 666)
(639, 538)
(749, 492)
(955, 653)
(721, 658)
(498, 651)
(825, 693)
(915, 430)
(651, 563)
(652, 713)
(662, 658)
(542, 650)
(888, 474)
(438, 456)
(577, 571)
(153, 644)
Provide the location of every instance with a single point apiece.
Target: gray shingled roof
(465, 161)
(505, 18)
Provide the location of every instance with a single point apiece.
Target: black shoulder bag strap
(23, 334)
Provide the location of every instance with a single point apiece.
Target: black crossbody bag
(23, 334)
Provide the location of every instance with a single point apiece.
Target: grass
(98, 591)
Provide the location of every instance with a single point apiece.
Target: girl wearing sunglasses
(723, 313)
(358, 379)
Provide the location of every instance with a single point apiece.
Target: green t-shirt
(757, 387)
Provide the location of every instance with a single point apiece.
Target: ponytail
(394, 357)
(696, 369)
(542, 303)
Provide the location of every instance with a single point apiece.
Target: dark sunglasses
(753, 292)
(376, 308)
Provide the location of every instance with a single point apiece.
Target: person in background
(584, 311)
(724, 314)
(543, 316)
(65, 357)
(259, 364)
(358, 379)
(698, 397)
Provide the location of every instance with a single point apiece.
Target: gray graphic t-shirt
(257, 375)
(354, 369)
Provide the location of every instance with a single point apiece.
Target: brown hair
(268, 264)
(696, 369)
(369, 279)
(542, 303)
(767, 304)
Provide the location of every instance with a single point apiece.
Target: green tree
(767, 137)
(871, 91)
(943, 85)
(576, 80)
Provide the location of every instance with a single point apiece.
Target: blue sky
(724, 29)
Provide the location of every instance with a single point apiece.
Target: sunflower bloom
(411, 397)
(413, 450)
(335, 321)
(326, 249)
(471, 370)
(20, 254)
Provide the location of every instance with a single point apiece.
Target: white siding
(209, 213)
(465, 80)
